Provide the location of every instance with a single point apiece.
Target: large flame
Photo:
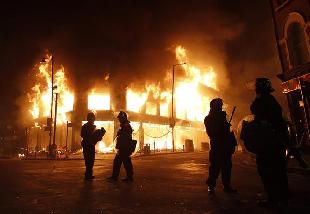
(135, 100)
(98, 101)
(190, 103)
(40, 96)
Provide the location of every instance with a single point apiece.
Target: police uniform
(88, 144)
(123, 145)
(221, 150)
(270, 160)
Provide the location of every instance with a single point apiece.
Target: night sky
(128, 38)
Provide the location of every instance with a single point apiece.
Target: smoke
(134, 41)
(253, 54)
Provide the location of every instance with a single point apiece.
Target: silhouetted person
(270, 159)
(223, 144)
(124, 146)
(90, 137)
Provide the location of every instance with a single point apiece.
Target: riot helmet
(216, 104)
(263, 86)
(122, 116)
(91, 117)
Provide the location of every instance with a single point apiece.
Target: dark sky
(134, 39)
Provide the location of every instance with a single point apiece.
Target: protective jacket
(218, 129)
(124, 138)
(268, 111)
(87, 132)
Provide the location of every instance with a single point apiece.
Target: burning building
(165, 116)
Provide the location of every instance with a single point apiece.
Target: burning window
(135, 100)
(164, 109)
(151, 108)
(98, 101)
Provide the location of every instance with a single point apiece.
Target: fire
(158, 136)
(190, 103)
(40, 96)
(35, 111)
(103, 148)
(106, 145)
(98, 101)
(135, 100)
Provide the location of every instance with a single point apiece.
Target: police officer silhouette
(90, 137)
(271, 159)
(222, 143)
(124, 149)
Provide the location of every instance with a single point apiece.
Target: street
(172, 183)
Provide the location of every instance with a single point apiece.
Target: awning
(294, 84)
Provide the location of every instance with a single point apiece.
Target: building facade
(292, 30)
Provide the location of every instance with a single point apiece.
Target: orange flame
(40, 96)
(98, 101)
(190, 103)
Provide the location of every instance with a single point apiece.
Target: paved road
(163, 184)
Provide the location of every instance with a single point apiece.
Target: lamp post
(54, 146)
(50, 121)
(172, 106)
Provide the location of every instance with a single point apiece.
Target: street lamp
(172, 106)
(50, 121)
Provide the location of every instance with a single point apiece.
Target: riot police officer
(124, 149)
(88, 144)
(223, 144)
(271, 161)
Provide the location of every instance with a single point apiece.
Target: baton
(232, 114)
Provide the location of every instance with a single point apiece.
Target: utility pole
(54, 146)
(172, 110)
(172, 106)
(52, 99)
(50, 120)
(67, 137)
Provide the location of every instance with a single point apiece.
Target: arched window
(297, 45)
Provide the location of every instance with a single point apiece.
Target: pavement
(171, 183)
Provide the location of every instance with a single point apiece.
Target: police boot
(211, 190)
(89, 177)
